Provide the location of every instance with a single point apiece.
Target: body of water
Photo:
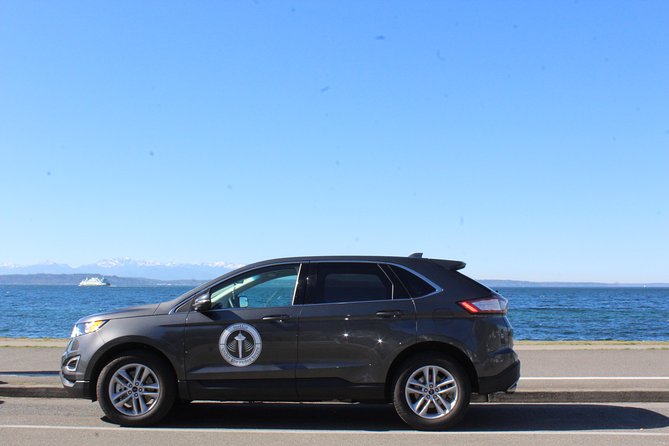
(535, 313)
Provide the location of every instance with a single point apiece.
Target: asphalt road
(28, 421)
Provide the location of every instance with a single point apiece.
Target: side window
(416, 286)
(349, 282)
(267, 287)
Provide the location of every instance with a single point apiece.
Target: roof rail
(417, 255)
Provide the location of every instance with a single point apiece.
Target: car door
(353, 323)
(245, 345)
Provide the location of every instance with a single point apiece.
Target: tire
(431, 392)
(142, 385)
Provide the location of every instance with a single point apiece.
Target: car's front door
(245, 345)
(353, 323)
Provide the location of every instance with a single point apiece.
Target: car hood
(140, 310)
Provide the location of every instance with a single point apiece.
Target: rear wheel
(136, 389)
(431, 392)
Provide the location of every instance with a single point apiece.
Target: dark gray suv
(407, 330)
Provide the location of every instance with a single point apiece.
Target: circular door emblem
(240, 344)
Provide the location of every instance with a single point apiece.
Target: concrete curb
(633, 396)
(33, 392)
(585, 396)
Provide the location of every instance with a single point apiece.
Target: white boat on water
(94, 281)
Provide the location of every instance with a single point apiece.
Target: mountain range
(127, 267)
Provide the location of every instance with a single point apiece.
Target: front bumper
(76, 389)
(74, 363)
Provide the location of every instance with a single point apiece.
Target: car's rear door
(352, 324)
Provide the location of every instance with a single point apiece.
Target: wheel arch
(116, 351)
(430, 346)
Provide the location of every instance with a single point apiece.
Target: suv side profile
(411, 331)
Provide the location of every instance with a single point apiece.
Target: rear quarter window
(416, 286)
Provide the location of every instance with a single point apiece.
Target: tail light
(486, 305)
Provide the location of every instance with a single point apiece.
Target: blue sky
(529, 139)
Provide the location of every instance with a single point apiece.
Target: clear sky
(529, 139)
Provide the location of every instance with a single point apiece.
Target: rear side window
(349, 282)
(416, 286)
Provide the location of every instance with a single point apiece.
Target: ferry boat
(94, 281)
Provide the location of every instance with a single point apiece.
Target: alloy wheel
(431, 392)
(134, 389)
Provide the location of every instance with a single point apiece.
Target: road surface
(57, 421)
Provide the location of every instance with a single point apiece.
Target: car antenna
(417, 255)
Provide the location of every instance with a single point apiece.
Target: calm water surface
(536, 313)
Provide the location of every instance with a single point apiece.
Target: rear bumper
(505, 381)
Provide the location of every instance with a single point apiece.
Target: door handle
(276, 317)
(390, 314)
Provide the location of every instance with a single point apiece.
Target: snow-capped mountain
(127, 267)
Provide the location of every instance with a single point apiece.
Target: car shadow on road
(480, 417)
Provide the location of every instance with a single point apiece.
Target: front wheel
(431, 392)
(136, 389)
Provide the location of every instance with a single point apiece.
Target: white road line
(347, 432)
(576, 378)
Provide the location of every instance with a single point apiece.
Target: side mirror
(202, 303)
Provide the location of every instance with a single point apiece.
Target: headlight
(86, 327)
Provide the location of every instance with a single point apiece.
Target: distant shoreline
(526, 284)
(75, 279)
